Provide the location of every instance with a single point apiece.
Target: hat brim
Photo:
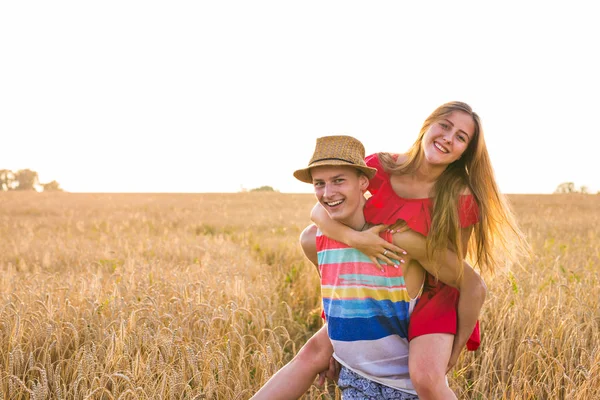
(305, 176)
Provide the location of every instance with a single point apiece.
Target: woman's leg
(427, 363)
(297, 376)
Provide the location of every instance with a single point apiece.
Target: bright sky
(199, 96)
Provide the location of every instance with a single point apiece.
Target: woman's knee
(428, 361)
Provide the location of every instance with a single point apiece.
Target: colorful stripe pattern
(367, 312)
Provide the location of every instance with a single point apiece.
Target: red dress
(436, 311)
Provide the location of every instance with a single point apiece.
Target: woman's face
(448, 137)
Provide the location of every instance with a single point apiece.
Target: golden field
(205, 296)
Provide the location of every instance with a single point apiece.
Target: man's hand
(332, 373)
(453, 358)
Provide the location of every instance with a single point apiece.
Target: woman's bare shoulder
(466, 191)
(399, 158)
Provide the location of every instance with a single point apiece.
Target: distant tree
(565, 187)
(51, 187)
(584, 190)
(263, 189)
(7, 180)
(27, 179)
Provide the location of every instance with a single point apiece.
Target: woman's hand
(376, 248)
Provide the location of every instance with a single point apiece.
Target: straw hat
(336, 151)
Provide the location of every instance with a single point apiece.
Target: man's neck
(358, 224)
(357, 221)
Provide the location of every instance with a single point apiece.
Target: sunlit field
(205, 296)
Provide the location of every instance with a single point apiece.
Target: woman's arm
(369, 242)
(447, 267)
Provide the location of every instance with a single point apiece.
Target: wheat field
(205, 296)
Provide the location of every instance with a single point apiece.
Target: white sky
(199, 96)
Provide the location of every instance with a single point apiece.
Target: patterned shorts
(356, 387)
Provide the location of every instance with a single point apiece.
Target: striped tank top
(367, 313)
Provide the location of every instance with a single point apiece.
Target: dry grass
(182, 296)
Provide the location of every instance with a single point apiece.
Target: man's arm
(308, 241)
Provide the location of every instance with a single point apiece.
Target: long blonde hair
(497, 228)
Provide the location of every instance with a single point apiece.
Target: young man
(367, 309)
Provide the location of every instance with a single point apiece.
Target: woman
(444, 188)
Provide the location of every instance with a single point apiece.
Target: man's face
(340, 191)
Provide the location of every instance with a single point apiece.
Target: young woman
(444, 188)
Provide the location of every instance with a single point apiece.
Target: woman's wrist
(352, 237)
